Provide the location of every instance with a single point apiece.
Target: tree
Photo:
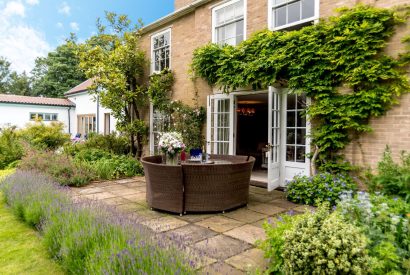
(116, 63)
(20, 84)
(59, 71)
(4, 75)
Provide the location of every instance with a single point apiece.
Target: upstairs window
(161, 51)
(229, 23)
(289, 13)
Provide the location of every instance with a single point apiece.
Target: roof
(18, 99)
(82, 87)
(173, 16)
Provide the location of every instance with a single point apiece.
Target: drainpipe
(98, 114)
(69, 120)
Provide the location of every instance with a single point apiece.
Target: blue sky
(31, 28)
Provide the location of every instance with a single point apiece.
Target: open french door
(220, 124)
(274, 139)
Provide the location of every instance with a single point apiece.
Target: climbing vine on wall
(338, 62)
(187, 120)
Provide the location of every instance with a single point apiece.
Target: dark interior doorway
(252, 132)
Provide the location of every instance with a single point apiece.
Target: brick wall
(195, 30)
(181, 3)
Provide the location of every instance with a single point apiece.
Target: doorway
(252, 133)
(269, 125)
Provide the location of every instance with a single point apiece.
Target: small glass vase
(172, 159)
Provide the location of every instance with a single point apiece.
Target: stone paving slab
(245, 215)
(100, 196)
(221, 268)
(221, 247)
(249, 260)
(219, 223)
(265, 208)
(190, 234)
(248, 233)
(164, 224)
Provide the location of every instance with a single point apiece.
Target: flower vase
(172, 160)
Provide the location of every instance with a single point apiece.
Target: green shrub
(107, 165)
(317, 242)
(42, 136)
(11, 149)
(113, 143)
(323, 187)
(275, 239)
(60, 167)
(392, 178)
(322, 243)
(385, 222)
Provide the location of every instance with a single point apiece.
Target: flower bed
(89, 238)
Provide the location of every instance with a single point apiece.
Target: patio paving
(223, 242)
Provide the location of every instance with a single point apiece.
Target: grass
(21, 249)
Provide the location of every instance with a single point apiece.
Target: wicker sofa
(198, 187)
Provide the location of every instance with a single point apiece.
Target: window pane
(293, 12)
(301, 119)
(290, 153)
(166, 39)
(291, 103)
(54, 117)
(40, 116)
(219, 14)
(301, 102)
(301, 136)
(290, 119)
(239, 9)
(308, 8)
(229, 13)
(280, 16)
(290, 136)
(300, 154)
(32, 116)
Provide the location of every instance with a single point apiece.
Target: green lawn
(21, 248)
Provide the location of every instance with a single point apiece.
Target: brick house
(248, 120)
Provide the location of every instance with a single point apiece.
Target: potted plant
(171, 145)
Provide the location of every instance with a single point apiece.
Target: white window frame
(44, 115)
(215, 9)
(168, 29)
(271, 16)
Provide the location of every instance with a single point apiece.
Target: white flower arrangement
(171, 143)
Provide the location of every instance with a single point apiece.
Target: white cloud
(60, 25)
(74, 26)
(64, 9)
(19, 43)
(32, 2)
(14, 8)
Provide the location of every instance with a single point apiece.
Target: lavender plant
(88, 238)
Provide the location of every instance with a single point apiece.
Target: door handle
(269, 146)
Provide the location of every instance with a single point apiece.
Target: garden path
(225, 242)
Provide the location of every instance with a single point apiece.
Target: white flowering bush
(171, 143)
(322, 243)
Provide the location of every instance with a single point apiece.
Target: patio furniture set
(218, 185)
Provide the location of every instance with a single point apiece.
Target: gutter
(173, 16)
